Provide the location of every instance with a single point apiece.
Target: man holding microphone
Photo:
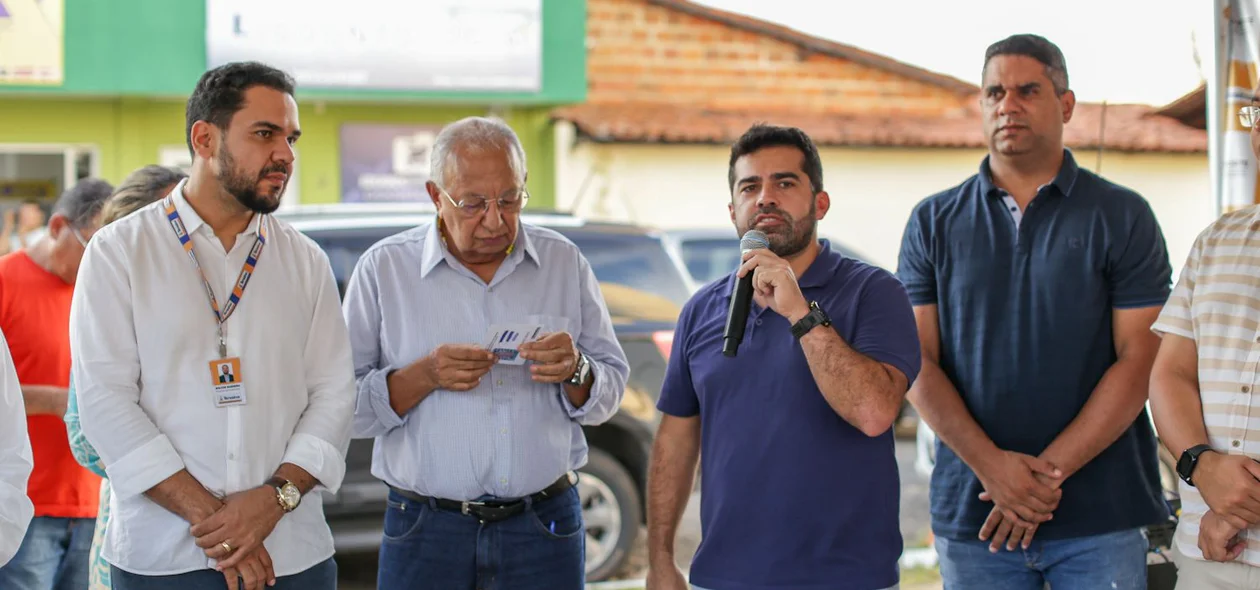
(805, 404)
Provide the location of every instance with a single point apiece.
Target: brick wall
(639, 52)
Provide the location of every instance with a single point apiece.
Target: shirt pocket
(553, 323)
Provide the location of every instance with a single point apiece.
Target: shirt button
(758, 322)
(231, 456)
(503, 431)
(1237, 443)
(503, 480)
(499, 382)
(1246, 389)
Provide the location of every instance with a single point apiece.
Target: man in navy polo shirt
(800, 481)
(1035, 284)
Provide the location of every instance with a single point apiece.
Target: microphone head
(753, 240)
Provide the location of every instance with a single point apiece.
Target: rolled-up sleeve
(373, 415)
(608, 361)
(322, 435)
(106, 371)
(16, 460)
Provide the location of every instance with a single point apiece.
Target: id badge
(227, 382)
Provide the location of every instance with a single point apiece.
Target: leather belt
(492, 510)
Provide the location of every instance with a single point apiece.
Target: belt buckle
(463, 506)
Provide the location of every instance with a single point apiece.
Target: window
(633, 260)
(707, 260)
(344, 247)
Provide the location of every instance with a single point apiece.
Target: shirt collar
(1064, 180)
(820, 271)
(193, 222)
(434, 250)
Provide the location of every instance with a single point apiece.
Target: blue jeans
(427, 548)
(1113, 561)
(54, 555)
(321, 576)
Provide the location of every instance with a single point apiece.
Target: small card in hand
(505, 341)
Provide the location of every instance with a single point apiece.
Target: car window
(632, 260)
(344, 247)
(709, 259)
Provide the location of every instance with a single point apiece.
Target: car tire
(611, 511)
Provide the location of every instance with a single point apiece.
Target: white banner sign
(426, 45)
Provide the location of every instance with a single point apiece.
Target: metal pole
(1216, 79)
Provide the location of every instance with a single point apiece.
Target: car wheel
(611, 512)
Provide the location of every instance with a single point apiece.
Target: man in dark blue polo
(800, 481)
(1035, 283)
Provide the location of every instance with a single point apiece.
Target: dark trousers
(426, 548)
(321, 576)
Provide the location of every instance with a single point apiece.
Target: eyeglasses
(474, 205)
(78, 236)
(1249, 116)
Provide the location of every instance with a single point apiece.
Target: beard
(792, 236)
(243, 188)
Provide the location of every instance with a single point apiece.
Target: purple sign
(385, 162)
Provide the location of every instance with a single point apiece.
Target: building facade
(98, 88)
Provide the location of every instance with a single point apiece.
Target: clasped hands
(233, 535)
(1025, 492)
(1230, 485)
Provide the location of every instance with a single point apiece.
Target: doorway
(43, 172)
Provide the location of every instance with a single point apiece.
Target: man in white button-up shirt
(15, 459)
(206, 475)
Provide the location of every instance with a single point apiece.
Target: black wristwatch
(1189, 460)
(816, 317)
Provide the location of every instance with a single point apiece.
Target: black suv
(644, 285)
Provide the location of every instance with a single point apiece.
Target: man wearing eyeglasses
(36, 286)
(1203, 398)
(1035, 283)
(478, 450)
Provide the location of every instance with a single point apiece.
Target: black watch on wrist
(1189, 460)
(816, 317)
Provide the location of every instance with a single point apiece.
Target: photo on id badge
(228, 382)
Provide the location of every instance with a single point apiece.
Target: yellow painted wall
(129, 133)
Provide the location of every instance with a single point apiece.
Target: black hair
(220, 93)
(1038, 48)
(762, 136)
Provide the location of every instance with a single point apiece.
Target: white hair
(476, 134)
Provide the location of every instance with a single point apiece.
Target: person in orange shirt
(36, 285)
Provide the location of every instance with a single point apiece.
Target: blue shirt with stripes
(509, 436)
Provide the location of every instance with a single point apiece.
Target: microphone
(737, 315)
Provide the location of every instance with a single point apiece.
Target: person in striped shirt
(1201, 397)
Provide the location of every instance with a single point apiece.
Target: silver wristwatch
(580, 373)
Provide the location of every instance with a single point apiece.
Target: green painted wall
(158, 48)
(129, 132)
(130, 64)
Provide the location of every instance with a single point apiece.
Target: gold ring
(226, 547)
